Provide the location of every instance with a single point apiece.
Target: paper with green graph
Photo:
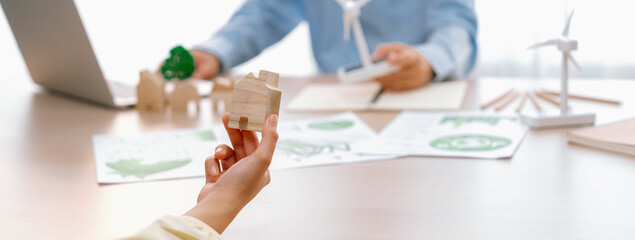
(153, 155)
(321, 141)
(470, 135)
(181, 153)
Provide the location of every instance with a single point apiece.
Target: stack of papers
(337, 139)
(182, 153)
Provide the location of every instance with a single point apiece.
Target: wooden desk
(548, 190)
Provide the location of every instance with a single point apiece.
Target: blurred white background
(132, 35)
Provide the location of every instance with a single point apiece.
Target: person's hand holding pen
(415, 70)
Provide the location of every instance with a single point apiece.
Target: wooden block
(254, 98)
(222, 93)
(184, 92)
(150, 92)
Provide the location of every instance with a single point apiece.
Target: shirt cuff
(441, 62)
(176, 227)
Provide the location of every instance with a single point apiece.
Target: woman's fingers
(226, 156)
(235, 137)
(267, 146)
(212, 170)
(244, 142)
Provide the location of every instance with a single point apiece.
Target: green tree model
(179, 65)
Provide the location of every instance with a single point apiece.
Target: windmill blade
(573, 61)
(542, 44)
(347, 27)
(361, 3)
(565, 33)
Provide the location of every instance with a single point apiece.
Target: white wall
(603, 29)
(128, 36)
(132, 35)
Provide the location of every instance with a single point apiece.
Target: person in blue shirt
(428, 39)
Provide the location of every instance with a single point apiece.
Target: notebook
(353, 97)
(616, 137)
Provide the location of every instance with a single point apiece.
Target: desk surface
(548, 190)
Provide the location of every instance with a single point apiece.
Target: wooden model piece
(253, 100)
(222, 93)
(150, 92)
(183, 93)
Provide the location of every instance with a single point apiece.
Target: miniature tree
(179, 65)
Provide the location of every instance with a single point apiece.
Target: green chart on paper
(134, 167)
(464, 120)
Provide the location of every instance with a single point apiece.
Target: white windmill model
(368, 69)
(566, 118)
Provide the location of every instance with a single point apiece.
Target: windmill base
(569, 120)
(359, 73)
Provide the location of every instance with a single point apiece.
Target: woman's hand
(244, 172)
(415, 70)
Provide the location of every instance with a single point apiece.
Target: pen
(377, 95)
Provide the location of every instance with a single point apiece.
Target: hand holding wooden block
(254, 99)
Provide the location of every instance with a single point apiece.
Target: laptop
(59, 56)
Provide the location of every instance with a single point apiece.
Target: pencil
(548, 98)
(523, 97)
(534, 99)
(580, 97)
(491, 102)
(505, 101)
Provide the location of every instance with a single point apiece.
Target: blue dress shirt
(444, 31)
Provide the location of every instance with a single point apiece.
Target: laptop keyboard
(122, 90)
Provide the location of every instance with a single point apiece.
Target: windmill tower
(566, 118)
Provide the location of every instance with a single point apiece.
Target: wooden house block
(150, 92)
(184, 92)
(253, 100)
(222, 93)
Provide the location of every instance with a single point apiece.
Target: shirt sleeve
(173, 227)
(254, 27)
(451, 45)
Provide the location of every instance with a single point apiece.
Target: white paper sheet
(154, 155)
(322, 141)
(448, 135)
